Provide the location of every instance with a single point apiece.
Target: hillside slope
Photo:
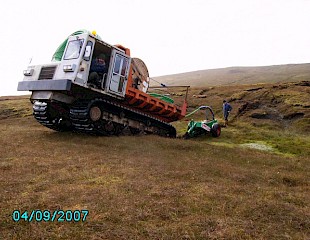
(239, 75)
(278, 106)
(150, 187)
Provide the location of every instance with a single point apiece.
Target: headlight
(69, 68)
(28, 72)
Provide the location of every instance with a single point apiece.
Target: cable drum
(140, 74)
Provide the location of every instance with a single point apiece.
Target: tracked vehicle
(71, 93)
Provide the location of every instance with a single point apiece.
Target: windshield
(73, 49)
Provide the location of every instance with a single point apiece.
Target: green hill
(240, 75)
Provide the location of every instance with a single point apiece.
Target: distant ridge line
(240, 75)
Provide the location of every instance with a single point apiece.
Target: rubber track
(41, 114)
(80, 120)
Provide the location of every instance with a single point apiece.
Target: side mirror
(87, 53)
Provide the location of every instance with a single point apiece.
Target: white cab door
(119, 73)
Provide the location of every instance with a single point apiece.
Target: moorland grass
(149, 187)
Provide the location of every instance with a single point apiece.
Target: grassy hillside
(149, 187)
(240, 75)
(275, 106)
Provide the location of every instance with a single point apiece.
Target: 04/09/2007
(50, 216)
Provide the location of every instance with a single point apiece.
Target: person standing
(226, 110)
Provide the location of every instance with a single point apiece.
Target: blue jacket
(226, 109)
(98, 67)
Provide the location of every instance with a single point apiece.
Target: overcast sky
(169, 36)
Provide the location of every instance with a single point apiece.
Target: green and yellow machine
(197, 128)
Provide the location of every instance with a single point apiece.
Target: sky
(170, 36)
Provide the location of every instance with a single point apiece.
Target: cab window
(73, 49)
